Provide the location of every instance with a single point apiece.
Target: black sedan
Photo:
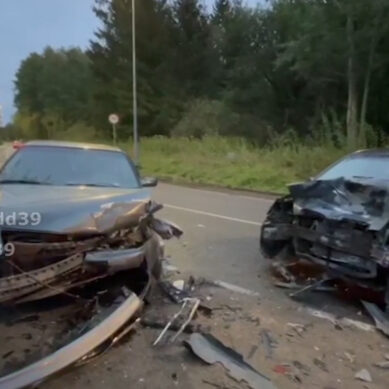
(338, 220)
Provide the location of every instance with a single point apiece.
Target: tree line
(310, 68)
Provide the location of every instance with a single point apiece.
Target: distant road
(221, 232)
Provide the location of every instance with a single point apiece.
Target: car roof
(78, 145)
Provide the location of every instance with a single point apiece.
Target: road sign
(113, 118)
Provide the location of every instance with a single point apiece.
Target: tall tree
(54, 86)
(111, 57)
(333, 51)
(192, 51)
(260, 71)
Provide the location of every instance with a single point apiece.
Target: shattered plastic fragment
(382, 365)
(268, 342)
(363, 375)
(212, 351)
(380, 318)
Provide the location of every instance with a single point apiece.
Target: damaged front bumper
(341, 226)
(57, 263)
(110, 273)
(347, 252)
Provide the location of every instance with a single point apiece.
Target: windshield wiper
(94, 185)
(30, 182)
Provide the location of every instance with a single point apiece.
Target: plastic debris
(363, 375)
(382, 365)
(179, 284)
(380, 318)
(349, 356)
(269, 343)
(212, 351)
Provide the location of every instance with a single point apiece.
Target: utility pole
(134, 89)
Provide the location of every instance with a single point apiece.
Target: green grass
(232, 163)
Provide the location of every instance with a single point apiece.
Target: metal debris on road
(320, 364)
(253, 350)
(298, 328)
(175, 295)
(179, 284)
(159, 324)
(380, 318)
(269, 343)
(170, 322)
(294, 286)
(212, 351)
(194, 304)
(75, 350)
(312, 286)
(349, 356)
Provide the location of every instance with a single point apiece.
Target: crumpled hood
(73, 210)
(364, 201)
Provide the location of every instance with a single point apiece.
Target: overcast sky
(31, 25)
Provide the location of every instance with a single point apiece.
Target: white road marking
(233, 219)
(235, 288)
(344, 320)
(228, 194)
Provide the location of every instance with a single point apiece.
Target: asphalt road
(221, 242)
(221, 233)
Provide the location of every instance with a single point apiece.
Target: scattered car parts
(76, 350)
(91, 242)
(212, 351)
(380, 318)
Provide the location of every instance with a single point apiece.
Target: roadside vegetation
(233, 95)
(233, 163)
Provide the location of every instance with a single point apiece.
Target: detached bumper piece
(114, 261)
(212, 351)
(76, 350)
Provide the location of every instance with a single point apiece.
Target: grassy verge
(232, 163)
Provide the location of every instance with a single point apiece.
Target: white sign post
(114, 120)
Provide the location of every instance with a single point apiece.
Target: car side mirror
(149, 181)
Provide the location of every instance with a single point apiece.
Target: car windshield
(69, 166)
(359, 167)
